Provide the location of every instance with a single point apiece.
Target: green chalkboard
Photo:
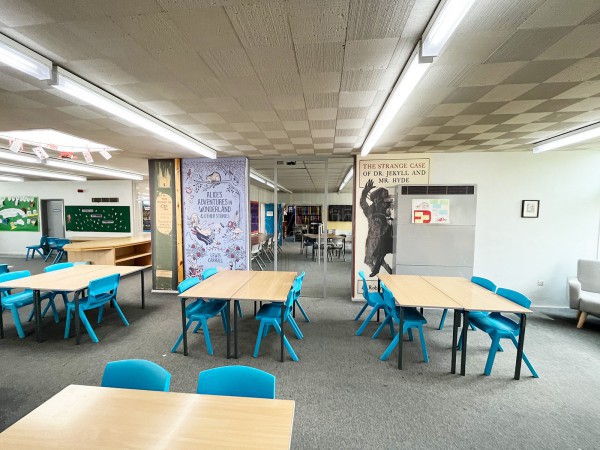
(98, 218)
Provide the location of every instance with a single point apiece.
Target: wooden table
(72, 279)
(473, 297)
(98, 418)
(240, 286)
(413, 291)
(131, 251)
(316, 237)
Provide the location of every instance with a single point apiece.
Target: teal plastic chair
(4, 268)
(100, 292)
(270, 315)
(60, 243)
(209, 273)
(136, 374)
(300, 280)
(499, 327)
(374, 300)
(412, 319)
(38, 248)
(236, 381)
(483, 282)
(201, 311)
(53, 294)
(14, 301)
(51, 245)
(273, 309)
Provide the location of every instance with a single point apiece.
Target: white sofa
(584, 291)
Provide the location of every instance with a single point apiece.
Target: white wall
(13, 242)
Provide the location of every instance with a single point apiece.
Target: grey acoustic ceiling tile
(526, 44)
(322, 113)
(579, 43)
(316, 82)
(320, 57)
(369, 54)
(255, 103)
(329, 100)
(465, 119)
(292, 114)
(318, 21)
(517, 106)
(361, 80)
(280, 102)
(528, 118)
(260, 24)
(208, 118)
(228, 62)
(467, 94)
(490, 74)
(586, 117)
(205, 29)
(494, 119)
(538, 71)
(356, 99)
(582, 70)
(263, 116)
(553, 105)
(583, 105)
(506, 92)
(559, 13)
(374, 20)
(270, 126)
(581, 90)
(482, 108)
(243, 86)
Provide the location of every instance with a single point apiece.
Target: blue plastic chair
(33, 249)
(275, 309)
(4, 268)
(412, 319)
(270, 315)
(51, 244)
(209, 273)
(53, 294)
(100, 292)
(14, 301)
(200, 311)
(499, 327)
(136, 374)
(300, 279)
(236, 381)
(373, 299)
(483, 282)
(60, 243)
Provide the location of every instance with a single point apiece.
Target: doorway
(53, 218)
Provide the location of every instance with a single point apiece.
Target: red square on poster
(420, 216)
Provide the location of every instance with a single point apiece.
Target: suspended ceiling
(287, 78)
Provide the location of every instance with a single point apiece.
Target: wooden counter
(126, 251)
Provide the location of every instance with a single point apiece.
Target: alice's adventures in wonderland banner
(215, 214)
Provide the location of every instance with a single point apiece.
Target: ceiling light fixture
(88, 93)
(264, 180)
(40, 173)
(410, 77)
(94, 169)
(19, 157)
(347, 178)
(572, 137)
(444, 23)
(9, 178)
(24, 60)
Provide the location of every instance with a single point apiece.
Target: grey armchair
(584, 291)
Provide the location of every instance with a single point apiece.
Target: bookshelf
(254, 217)
(305, 215)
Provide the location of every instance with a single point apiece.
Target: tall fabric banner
(162, 174)
(215, 214)
(375, 179)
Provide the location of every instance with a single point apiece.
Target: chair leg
(207, 336)
(410, 335)
(525, 359)
(491, 356)
(54, 311)
(361, 311)
(443, 319)
(239, 308)
(582, 319)
(387, 320)
(68, 324)
(366, 322)
(223, 320)
(15, 314)
(87, 326)
(286, 343)
(259, 336)
(198, 326)
(180, 338)
(306, 319)
(100, 313)
(423, 344)
(296, 328)
(118, 308)
(386, 354)
(266, 329)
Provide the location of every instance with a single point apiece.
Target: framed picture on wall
(530, 208)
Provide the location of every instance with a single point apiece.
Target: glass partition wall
(291, 223)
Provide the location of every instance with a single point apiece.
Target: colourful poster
(19, 214)
(431, 210)
(215, 214)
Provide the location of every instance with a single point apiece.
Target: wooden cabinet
(127, 251)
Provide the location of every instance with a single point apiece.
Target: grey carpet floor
(345, 397)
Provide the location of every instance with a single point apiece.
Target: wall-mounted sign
(430, 210)
(392, 172)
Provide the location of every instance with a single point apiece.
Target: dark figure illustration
(379, 217)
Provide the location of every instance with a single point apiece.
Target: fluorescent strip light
(570, 138)
(24, 60)
(94, 169)
(9, 178)
(88, 93)
(19, 157)
(347, 178)
(445, 22)
(410, 77)
(265, 180)
(40, 173)
(256, 177)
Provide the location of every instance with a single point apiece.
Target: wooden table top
(69, 279)
(414, 291)
(266, 286)
(98, 418)
(473, 297)
(102, 244)
(222, 285)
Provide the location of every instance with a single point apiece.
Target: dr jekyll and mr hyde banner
(215, 214)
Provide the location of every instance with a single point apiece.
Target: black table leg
(1, 325)
(254, 309)
(463, 355)
(520, 346)
(183, 326)
(228, 329)
(454, 337)
(38, 315)
(400, 336)
(378, 314)
(294, 310)
(142, 286)
(282, 322)
(235, 330)
(77, 319)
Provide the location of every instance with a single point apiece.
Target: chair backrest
(484, 282)
(187, 283)
(298, 282)
(9, 276)
(58, 266)
(389, 301)
(588, 274)
(136, 374)
(104, 285)
(43, 240)
(514, 296)
(51, 241)
(365, 285)
(3, 268)
(209, 272)
(60, 243)
(236, 381)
